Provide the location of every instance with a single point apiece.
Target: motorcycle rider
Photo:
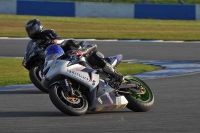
(44, 38)
(35, 31)
(96, 59)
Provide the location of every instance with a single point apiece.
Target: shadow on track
(29, 91)
(10, 114)
(30, 114)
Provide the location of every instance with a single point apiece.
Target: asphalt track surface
(176, 107)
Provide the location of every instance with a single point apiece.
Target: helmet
(33, 27)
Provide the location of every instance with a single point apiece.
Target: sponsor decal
(99, 109)
(109, 98)
(100, 101)
(93, 82)
(78, 75)
(112, 107)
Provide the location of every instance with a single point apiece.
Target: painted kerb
(104, 10)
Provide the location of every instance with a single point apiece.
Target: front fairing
(32, 54)
(31, 50)
(84, 75)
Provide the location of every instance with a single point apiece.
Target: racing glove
(76, 54)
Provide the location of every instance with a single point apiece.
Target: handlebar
(89, 50)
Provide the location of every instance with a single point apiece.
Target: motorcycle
(34, 58)
(76, 87)
(34, 61)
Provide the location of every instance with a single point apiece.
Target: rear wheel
(35, 75)
(70, 105)
(139, 102)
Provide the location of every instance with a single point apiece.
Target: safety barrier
(162, 11)
(101, 10)
(46, 8)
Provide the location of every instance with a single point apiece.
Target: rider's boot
(116, 75)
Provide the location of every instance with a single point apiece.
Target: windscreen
(53, 52)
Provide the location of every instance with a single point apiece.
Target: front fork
(68, 90)
(66, 87)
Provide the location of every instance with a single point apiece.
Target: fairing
(33, 54)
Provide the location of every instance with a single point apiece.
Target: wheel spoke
(146, 96)
(72, 101)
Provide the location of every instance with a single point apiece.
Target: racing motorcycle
(34, 62)
(76, 87)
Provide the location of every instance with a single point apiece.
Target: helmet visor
(32, 30)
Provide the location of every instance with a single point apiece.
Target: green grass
(135, 68)
(13, 73)
(105, 28)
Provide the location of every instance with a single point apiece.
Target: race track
(176, 108)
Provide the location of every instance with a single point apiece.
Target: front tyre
(36, 77)
(74, 106)
(139, 102)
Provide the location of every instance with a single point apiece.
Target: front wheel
(70, 105)
(35, 75)
(139, 102)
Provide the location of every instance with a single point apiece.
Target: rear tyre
(36, 77)
(74, 106)
(139, 102)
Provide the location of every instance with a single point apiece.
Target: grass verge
(105, 28)
(13, 73)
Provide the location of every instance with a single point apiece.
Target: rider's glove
(77, 54)
(45, 43)
(50, 42)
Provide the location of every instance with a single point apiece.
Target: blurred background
(135, 1)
